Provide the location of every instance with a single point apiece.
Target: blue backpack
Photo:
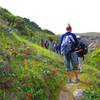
(67, 44)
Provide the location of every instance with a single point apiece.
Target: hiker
(46, 44)
(58, 49)
(42, 43)
(51, 44)
(70, 57)
(80, 49)
(55, 46)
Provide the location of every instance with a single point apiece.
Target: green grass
(37, 71)
(90, 79)
(33, 69)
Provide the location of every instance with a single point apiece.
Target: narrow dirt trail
(63, 96)
(66, 93)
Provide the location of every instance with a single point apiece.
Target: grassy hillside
(24, 27)
(92, 75)
(26, 68)
(93, 59)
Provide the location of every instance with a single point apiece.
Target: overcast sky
(83, 15)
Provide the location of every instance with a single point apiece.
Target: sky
(54, 15)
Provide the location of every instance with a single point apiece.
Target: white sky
(83, 15)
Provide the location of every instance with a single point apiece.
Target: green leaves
(91, 94)
(93, 58)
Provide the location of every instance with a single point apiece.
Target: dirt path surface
(63, 96)
(66, 93)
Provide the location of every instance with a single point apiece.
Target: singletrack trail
(66, 93)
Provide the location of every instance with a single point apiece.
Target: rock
(78, 94)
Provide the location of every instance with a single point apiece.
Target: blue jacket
(68, 33)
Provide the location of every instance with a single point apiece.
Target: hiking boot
(69, 81)
(77, 81)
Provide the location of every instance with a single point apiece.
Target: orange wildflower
(28, 96)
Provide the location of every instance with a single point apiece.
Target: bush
(91, 94)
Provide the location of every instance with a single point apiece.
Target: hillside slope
(24, 27)
(27, 69)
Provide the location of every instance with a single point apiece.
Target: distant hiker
(55, 46)
(67, 45)
(42, 43)
(51, 44)
(46, 44)
(81, 51)
(58, 49)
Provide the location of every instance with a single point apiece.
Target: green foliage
(90, 78)
(91, 94)
(47, 31)
(30, 69)
(32, 25)
(24, 27)
(93, 58)
(26, 68)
